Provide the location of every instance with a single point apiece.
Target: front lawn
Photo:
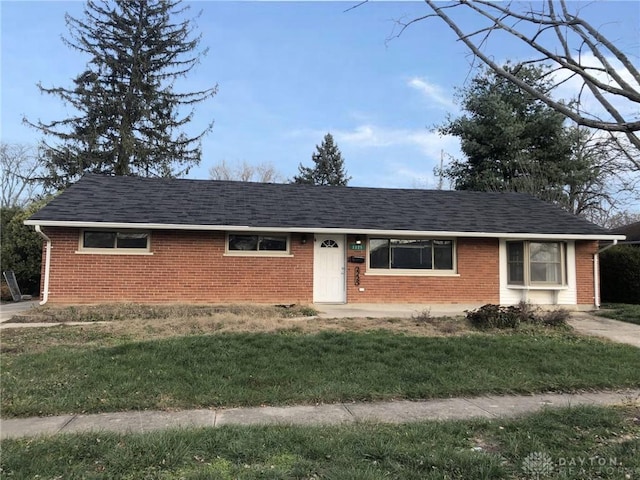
(294, 368)
(621, 311)
(573, 443)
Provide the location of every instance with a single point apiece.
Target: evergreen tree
(514, 142)
(128, 117)
(328, 168)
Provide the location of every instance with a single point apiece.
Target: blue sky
(289, 72)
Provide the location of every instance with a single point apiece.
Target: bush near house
(21, 247)
(620, 274)
(494, 316)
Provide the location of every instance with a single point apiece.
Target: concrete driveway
(8, 310)
(621, 332)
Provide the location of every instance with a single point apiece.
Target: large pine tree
(328, 168)
(507, 135)
(514, 142)
(128, 117)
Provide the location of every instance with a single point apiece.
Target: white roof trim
(372, 231)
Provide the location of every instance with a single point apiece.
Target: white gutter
(311, 230)
(615, 242)
(596, 280)
(596, 271)
(47, 265)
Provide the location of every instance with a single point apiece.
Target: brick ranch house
(126, 239)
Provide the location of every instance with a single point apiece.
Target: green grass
(621, 311)
(291, 368)
(582, 442)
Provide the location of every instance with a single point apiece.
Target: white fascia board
(337, 231)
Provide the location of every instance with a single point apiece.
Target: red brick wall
(477, 282)
(186, 266)
(190, 266)
(584, 272)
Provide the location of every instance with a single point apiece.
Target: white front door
(329, 269)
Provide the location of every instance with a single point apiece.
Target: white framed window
(412, 255)
(114, 241)
(267, 244)
(533, 263)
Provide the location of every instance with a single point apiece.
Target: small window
(114, 240)
(536, 263)
(257, 243)
(410, 254)
(329, 244)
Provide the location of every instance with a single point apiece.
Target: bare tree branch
(20, 169)
(530, 27)
(245, 172)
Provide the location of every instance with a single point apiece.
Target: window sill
(410, 273)
(258, 254)
(538, 287)
(112, 252)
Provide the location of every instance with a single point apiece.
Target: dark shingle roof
(125, 200)
(632, 231)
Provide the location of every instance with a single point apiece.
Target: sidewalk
(341, 413)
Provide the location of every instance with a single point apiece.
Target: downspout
(47, 264)
(596, 272)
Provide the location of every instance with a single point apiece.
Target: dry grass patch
(136, 311)
(200, 320)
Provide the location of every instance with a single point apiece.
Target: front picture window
(410, 254)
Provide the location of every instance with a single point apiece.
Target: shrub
(620, 274)
(494, 316)
(423, 316)
(554, 318)
(21, 247)
(5, 293)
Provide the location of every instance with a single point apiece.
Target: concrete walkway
(396, 310)
(331, 414)
(8, 310)
(615, 330)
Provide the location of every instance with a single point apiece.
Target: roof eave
(352, 231)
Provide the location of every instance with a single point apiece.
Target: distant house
(631, 231)
(116, 239)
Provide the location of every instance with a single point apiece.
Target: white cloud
(432, 92)
(428, 143)
(405, 157)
